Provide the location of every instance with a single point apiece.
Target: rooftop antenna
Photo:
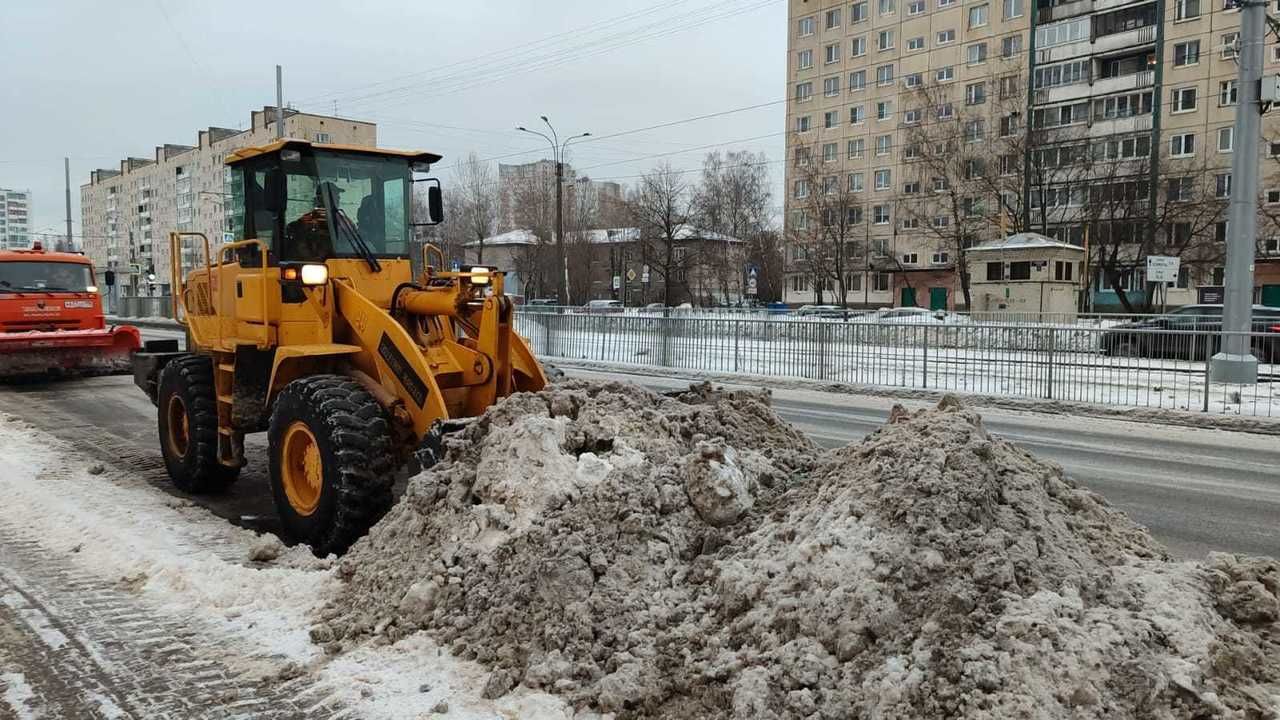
(279, 104)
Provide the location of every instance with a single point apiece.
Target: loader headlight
(315, 274)
(480, 276)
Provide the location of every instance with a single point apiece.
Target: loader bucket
(105, 351)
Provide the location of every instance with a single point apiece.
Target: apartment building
(15, 219)
(127, 213)
(583, 197)
(1042, 86)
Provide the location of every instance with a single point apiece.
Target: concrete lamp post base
(1234, 369)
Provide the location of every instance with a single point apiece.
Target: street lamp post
(557, 152)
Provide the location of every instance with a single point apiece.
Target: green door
(937, 298)
(1271, 295)
(908, 297)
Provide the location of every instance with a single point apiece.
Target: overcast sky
(98, 81)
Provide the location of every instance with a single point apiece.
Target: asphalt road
(1198, 490)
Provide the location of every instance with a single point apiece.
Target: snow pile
(697, 557)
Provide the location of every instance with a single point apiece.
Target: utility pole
(557, 154)
(1233, 363)
(66, 170)
(279, 104)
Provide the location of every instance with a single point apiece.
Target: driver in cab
(308, 238)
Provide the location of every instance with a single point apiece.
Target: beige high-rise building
(127, 214)
(15, 220)
(939, 124)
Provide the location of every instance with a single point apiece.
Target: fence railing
(142, 307)
(1126, 367)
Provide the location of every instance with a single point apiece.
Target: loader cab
(315, 203)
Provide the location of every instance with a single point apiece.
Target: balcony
(1061, 93)
(1136, 37)
(1100, 5)
(1121, 83)
(1137, 123)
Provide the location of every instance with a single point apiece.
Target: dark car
(1191, 332)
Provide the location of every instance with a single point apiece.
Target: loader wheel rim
(301, 468)
(179, 427)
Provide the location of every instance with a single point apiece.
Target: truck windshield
(30, 276)
(371, 195)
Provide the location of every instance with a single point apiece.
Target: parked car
(823, 311)
(1191, 333)
(603, 307)
(541, 305)
(900, 315)
(653, 309)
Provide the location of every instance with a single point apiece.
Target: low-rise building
(1026, 274)
(127, 213)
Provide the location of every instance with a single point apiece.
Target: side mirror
(435, 204)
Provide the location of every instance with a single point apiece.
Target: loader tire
(331, 462)
(188, 418)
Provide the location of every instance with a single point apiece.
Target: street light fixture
(557, 151)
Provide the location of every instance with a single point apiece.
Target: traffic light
(109, 278)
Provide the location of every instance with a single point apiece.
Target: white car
(914, 315)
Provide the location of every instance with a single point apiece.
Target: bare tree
(477, 199)
(734, 200)
(830, 230)
(660, 207)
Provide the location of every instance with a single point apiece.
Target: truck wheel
(331, 462)
(188, 419)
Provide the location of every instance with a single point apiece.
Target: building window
(322, 138)
(830, 184)
(915, 43)
(911, 188)
(1184, 99)
(940, 184)
(946, 3)
(1230, 41)
(1222, 185)
(858, 47)
(910, 259)
(805, 59)
(1186, 9)
(1179, 189)
(916, 7)
(976, 53)
(833, 53)
(1063, 270)
(880, 282)
(945, 74)
(884, 75)
(857, 12)
(804, 91)
(1009, 85)
(830, 119)
(1059, 33)
(1010, 46)
(939, 258)
(975, 130)
(911, 151)
(974, 168)
(884, 41)
(940, 221)
(911, 117)
(1020, 270)
(1012, 9)
(1227, 93)
(884, 144)
(914, 80)
(803, 123)
(831, 86)
(801, 189)
(857, 114)
(853, 282)
(830, 152)
(883, 180)
(946, 37)
(803, 156)
(880, 214)
(806, 27)
(975, 93)
(856, 182)
(857, 148)
(977, 16)
(1182, 145)
(1186, 53)
(995, 271)
(833, 19)
(1226, 136)
(945, 111)
(857, 80)
(884, 110)
(886, 7)
(1273, 149)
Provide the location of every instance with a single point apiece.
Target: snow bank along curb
(1156, 416)
(695, 556)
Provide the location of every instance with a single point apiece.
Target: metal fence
(142, 307)
(1126, 367)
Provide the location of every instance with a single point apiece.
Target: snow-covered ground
(185, 564)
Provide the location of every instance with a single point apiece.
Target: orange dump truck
(51, 317)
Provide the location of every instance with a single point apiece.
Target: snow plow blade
(107, 351)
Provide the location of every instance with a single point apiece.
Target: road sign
(1162, 268)
(753, 285)
(617, 281)
(644, 274)
(228, 237)
(631, 274)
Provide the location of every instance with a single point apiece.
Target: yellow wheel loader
(309, 324)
